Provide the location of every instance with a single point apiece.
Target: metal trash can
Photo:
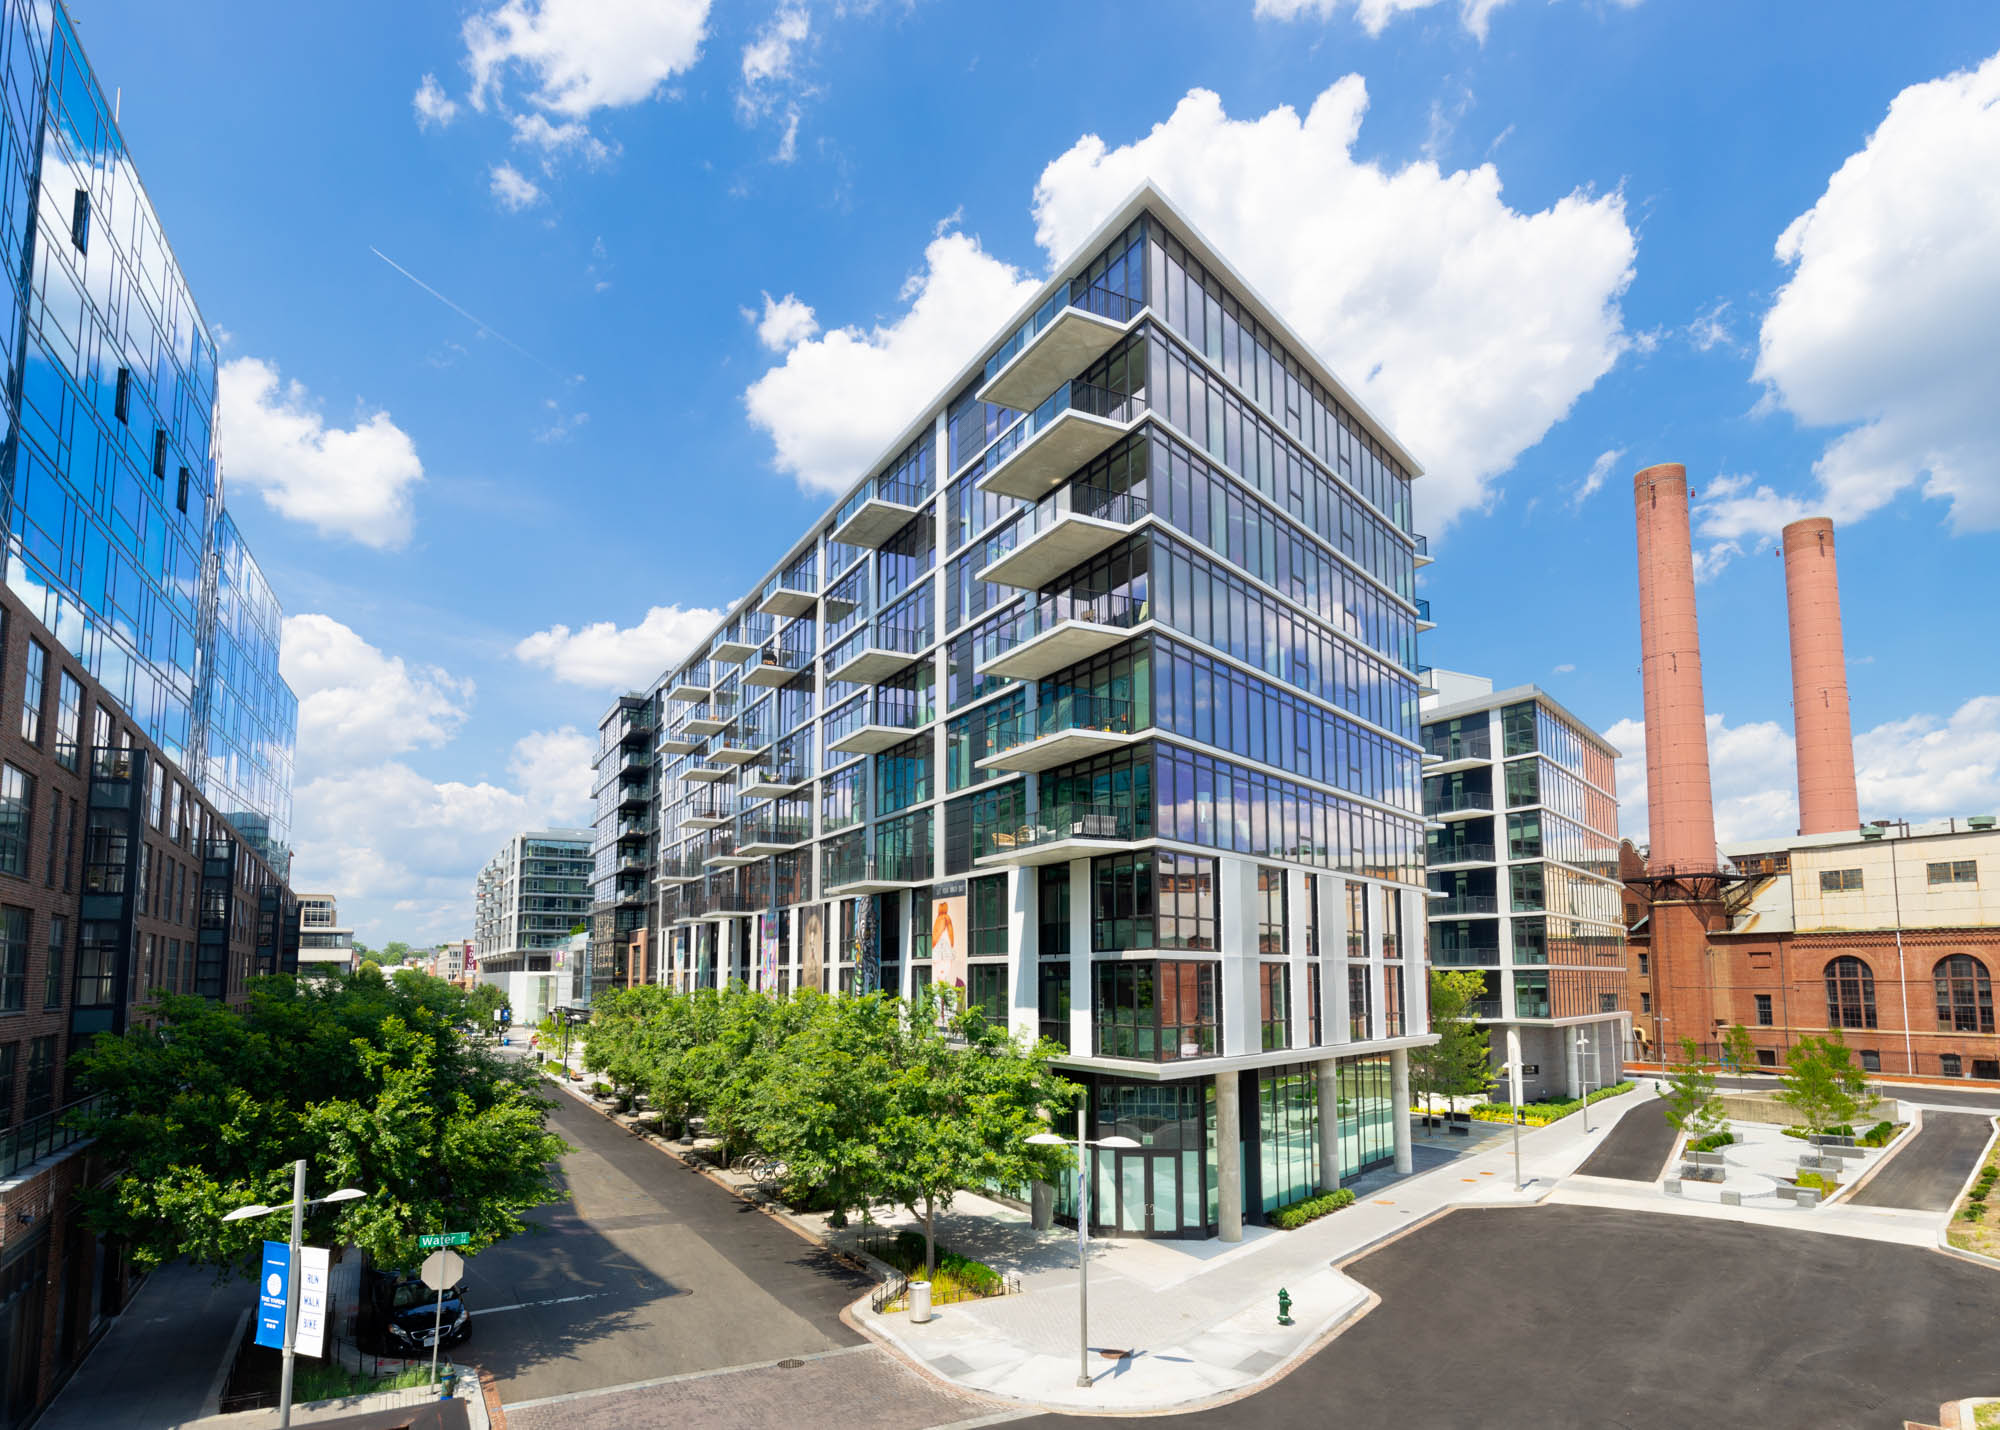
(920, 1302)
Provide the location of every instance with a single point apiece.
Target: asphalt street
(656, 1298)
(1986, 1098)
(1579, 1316)
(1636, 1149)
(1928, 1174)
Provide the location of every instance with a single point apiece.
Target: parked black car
(407, 1313)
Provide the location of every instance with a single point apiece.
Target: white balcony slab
(678, 877)
(735, 754)
(1053, 851)
(764, 848)
(1061, 747)
(868, 884)
(1067, 344)
(763, 787)
(771, 674)
(1072, 540)
(1045, 461)
(704, 774)
(791, 604)
(705, 821)
(729, 861)
(1064, 643)
(870, 665)
(870, 739)
(678, 744)
(732, 651)
(705, 724)
(838, 608)
(686, 689)
(874, 522)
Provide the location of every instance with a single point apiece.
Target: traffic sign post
(441, 1272)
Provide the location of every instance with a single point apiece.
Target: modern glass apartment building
(116, 537)
(1522, 850)
(1095, 699)
(528, 898)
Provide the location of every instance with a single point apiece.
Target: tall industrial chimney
(1825, 738)
(1679, 807)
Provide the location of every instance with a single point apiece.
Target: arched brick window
(1964, 994)
(1850, 994)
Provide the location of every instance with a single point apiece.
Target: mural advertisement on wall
(867, 951)
(812, 941)
(948, 935)
(767, 973)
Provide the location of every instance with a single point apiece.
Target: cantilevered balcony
(634, 796)
(1068, 728)
(877, 512)
(873, 723)
(694, 683)
(1445, 856)
(1423, 550)
(1426, 680)
(1458, 804)
(761, 835)
(710, 718)
(1059, 833)
(773, 665)
(723, 853)
(875, 654)
(684, 869)
(737, 745)
(677, 741)
(1074, 425)
(1055, 346)
(1062, 531)
(709, 812)
(1424, 621)
(850, 875)
(1062, 629)
(793, 594)
(764, 782)
(704, 774)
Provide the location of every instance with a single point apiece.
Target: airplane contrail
(477, 322)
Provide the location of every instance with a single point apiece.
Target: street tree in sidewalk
(1738, 1051)
(1822, 1083)
(821, 1108)
(963, 1098)
(1459, 1064)
(206, 1107)
(1689, 1094)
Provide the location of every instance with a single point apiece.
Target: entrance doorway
(1149, 1192)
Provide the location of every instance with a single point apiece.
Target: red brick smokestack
(1679, 808)
(1827, 803)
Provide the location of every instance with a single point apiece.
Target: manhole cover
(790, 1364)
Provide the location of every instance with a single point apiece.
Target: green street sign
(444, 1238)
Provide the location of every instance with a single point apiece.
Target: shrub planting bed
(1291, 1218)
(1541, 1114)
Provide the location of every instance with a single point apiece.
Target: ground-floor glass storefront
(1168, 1186)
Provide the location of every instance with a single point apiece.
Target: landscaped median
(1541, 1114)
(1975, 1224)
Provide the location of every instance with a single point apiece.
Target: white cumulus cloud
(838, 399)
(1470, 327)
(432, 105)
(583, 55)
(513, 189)
(1921, 767)
(1374, 15)
(1593, 480)
(1885, 327)
(346, 481)
(786, 321)
(609, 656)
(357, 704)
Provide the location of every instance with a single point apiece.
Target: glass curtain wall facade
(1522, 855)
(109, 477)
(530, 896)
(1125, 616)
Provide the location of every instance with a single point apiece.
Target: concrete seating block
(1732, 1199)
(1673, 1186)
(1806, 1196)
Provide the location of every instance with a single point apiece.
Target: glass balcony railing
(1528, 1007)
(634, 829)
(712, 807)
(1085, 397)
(1101, 301)
(891, 709)
(1471, 956)
(1466, 904)
(1467, 853)
(1072, 711)
(854, 866)
(773, 829)
(1057, 823)
(1423, 609)
(1460, 747)
(776, 660)
(1043, 615)
(1119, 508)
(44, 1134)
(1483, 1008)
(1423, 544)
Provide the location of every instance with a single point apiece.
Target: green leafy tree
(482, 1001)
(367, 1078)
(1459, 1064)
(963, 1099)
(824, 1104)
(1738, 1052)
(1822, 1084)
(1689, 1094)
(393, 953)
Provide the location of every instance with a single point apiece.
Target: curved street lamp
(1050, 1139)
(297, 1207)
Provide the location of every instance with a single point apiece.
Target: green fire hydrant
(1284, 1307)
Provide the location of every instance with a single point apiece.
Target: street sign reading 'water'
(443, 1238)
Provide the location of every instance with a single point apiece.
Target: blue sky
(515, 295)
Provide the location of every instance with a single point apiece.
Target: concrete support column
(1329, 1123)
(1573, 1064)
(1399, 1090)
(1242, 1014)
(1023, 944)
(1080, 990)
(1229, 1155)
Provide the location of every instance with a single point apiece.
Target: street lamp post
(1050, 1139)
(1583, 1074)
(297, 1206)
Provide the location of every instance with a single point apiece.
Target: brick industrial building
(1886, 933)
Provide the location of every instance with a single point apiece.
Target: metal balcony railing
(1059, 822)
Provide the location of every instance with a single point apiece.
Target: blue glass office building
(1096, 699)
(115, 530)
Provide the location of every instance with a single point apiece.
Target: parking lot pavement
(1563, 1316)
(1928, 1173)
(651, 1270)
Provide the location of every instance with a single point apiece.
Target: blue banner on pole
(273, 1287)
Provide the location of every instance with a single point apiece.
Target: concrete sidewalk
(164, 1360)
